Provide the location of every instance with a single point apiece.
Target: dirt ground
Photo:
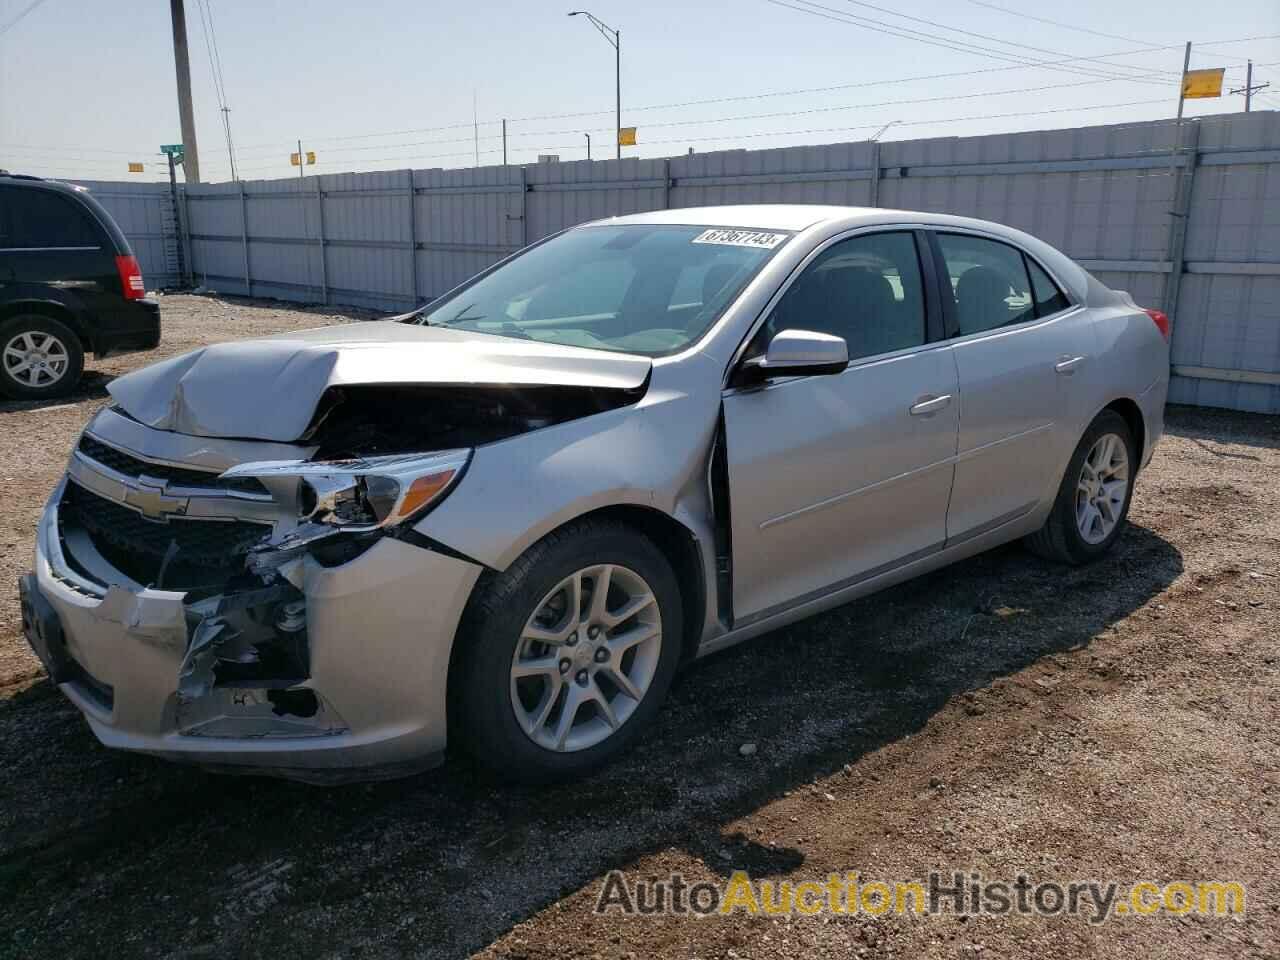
(1118, 721)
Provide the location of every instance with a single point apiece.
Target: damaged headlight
(345, 505)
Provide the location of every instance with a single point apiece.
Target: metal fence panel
(1109, 196)
(144, 211)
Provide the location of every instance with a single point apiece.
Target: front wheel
(1092, 506)
(567, 654)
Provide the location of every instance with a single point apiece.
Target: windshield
(636, 288)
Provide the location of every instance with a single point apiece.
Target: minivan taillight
(131, 278)
(1161, 320)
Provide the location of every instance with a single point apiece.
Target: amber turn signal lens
(423, 490)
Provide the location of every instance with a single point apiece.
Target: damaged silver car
(502, 521)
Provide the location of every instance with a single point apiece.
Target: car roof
(29, 180)
(801, 216)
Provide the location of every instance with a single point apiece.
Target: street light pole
(614, 37)
(588, 136)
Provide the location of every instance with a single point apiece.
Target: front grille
(131, 466)
(207, 551)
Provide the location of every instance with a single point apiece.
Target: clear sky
(88, 85)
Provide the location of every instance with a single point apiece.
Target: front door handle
(927, 405)
(1067, 365)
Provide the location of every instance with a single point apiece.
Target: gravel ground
(1005, 715)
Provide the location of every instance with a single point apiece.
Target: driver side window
(866, 289)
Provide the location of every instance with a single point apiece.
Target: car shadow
(466, 858)
(1211, 429)
(92, 386)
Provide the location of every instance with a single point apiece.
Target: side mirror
(799, 353)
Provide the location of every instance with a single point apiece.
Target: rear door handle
(1067, 365)
(927, 405)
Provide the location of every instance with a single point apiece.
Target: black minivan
(69, 284)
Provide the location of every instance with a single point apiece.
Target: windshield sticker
(741, 238)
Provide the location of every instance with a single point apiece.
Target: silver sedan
(504, 520)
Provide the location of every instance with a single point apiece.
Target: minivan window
(988, 281)
(866, 290)
(637, 288)
(42, 218)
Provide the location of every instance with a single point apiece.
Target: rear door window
(988, 281)
(42, 219)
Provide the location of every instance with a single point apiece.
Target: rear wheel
(39, 357)
(567, 654)
(1092, 506)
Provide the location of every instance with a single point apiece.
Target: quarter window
(989, 283)
(41, 218)
(866, 289)
(1048, 298)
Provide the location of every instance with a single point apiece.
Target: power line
(985, 36)
(14, 22)
(947, 43)
(219, 84)
(1079, 29)
(738, 98)
(836, 109)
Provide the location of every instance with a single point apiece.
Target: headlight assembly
(364, 494)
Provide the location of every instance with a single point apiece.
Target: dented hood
(268, 389)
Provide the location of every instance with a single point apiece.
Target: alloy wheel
(36, 359)
(586, 658)
(1102, 488)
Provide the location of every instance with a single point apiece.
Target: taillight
(1161, 320)
(131, 278)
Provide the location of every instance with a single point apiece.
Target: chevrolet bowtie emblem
(151, 497)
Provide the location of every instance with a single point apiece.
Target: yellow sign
(1202, 83)
(626, 136)
(311, 159)
(135, 168)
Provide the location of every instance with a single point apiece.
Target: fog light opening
(293, 703)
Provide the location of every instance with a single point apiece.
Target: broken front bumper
(365, 698)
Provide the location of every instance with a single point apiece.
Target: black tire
(482, 718)
(38, 328)
(1060, 538)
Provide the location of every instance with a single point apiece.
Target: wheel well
(55, 310)
(1132, 414)
(681, 550)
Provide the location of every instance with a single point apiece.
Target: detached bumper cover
(379, 631)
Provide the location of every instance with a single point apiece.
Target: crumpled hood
(268, 389)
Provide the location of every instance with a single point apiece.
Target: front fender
(652, 454)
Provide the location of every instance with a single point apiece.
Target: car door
(1023, 353)
(834, 478)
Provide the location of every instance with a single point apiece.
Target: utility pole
(617, 88)
(1182, 86)
(182, 66)
(504, 141)
(231, 154)
(1248, 89)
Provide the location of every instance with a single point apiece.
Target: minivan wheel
(1092, 506)
(39, 357)
(565, 656)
